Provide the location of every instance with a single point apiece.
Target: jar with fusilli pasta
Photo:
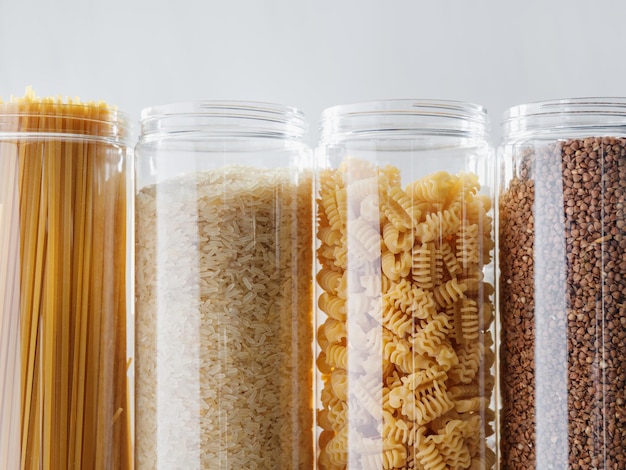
(405, 344)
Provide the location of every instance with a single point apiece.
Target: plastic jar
(64, 388)
(224, 322)
(405, 353)
(562, 285)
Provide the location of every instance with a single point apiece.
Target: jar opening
(587, 116)
(57, 117)
(403, 119)
(222, 119)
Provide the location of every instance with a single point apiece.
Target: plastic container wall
(405, 347)
(224, 308)
(562, 248)
(64, 387)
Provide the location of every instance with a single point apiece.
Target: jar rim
(404, 118)
(580, 114)
(63, 119)
(221, 117)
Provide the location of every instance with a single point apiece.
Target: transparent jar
(405, 353)
(562, 248)
(224, 307)
(64, 387)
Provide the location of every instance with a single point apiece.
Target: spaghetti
(64, 396)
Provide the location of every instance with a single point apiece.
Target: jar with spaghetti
(562, 285)
(64, 382)
(224, 323)
(405, 347)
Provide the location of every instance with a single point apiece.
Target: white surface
(313, 54)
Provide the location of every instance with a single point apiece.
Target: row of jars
(399, 299)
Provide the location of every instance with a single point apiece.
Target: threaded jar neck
(222, 120)
(58, 119)
(567, 118)
(390, 119)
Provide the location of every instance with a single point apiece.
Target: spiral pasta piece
(427, 265)
(438, 226)
(467, 245)
(396, 266)
(395, 240)
(329, 280)
(333, 306)
(450, 292)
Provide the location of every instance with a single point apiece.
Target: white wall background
(313, 54)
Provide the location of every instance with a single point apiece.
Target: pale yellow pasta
(326, 394)
(321, 335)
(409, 299)
(448, 293)
(392, 175)
(339, 384)
(476, 209)
(396, 266)
(404, 293)
(323, 420)
(399, 352)
(466, 320)
(329, 236)
(470, 358)
(396, 214)
(446, 356)
(463, 188)
(397, 322)
(337, 356)
(426, 265)
(326, 256)
(389, 458)
(338, 414)
(449, 260)
(467, 245)
(453, 442)
(330, 181)
(334, 331)
(337, 448)
(485, 460)
(473, 280)
(393, 380)
(469, 405)
(438, 226)
(431, 189)
(340, 255)
(395, 240)
(398, 429)
(431, 335)
(427, 454)
(333, 306)
(322, 363)
(344, 210)
(329, 280)
(328, 203)
(403, 200)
